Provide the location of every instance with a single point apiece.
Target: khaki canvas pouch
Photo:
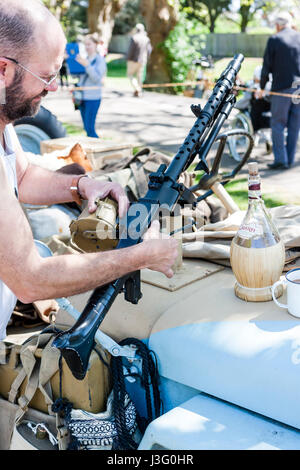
(7, 421)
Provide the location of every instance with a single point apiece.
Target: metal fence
(226, 45)
(218, 45)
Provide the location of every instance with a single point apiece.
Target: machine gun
(76, 344)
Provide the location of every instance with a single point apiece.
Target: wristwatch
(75, 190)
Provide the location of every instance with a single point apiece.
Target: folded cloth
(212, 241)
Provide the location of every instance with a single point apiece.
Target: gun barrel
(221, 90)
(76, 344)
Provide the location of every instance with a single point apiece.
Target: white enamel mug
(292, 292)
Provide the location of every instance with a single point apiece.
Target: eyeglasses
(46, 82)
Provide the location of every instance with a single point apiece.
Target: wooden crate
(98, 151)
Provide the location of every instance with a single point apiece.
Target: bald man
(32, 46)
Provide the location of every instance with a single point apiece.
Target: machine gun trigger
(132, 288)
(186, 196)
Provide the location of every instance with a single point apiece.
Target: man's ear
(2, 82)
(3, 66)
(6, 72)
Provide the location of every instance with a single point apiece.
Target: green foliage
(73, 16)
(75, 21)
(128, 17)
(181, 47)
(248, 10)
(205, 11)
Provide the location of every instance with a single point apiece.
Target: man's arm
(40, 186)
(33, 278)
(37, 185)
(267, 63)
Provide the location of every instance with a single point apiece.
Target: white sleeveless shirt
(8, 299)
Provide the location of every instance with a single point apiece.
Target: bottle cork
(253, 168)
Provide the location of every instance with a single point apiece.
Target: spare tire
(32, 130)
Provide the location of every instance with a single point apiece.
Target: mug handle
(278, 283)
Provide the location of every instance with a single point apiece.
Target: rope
(194, 83)
(275, 93)
(159, 85)
(149, 381)
(236, 87)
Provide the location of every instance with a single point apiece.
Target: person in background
(260, 102)
(137, 57)
(102, 48)
(63, 74)
(282, 60)
(92, 79)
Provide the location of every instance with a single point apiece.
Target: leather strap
(74, 189)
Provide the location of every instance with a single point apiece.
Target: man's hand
(161, 249)
(92, 189)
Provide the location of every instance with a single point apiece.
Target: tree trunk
(212, 21)
(160, 18)
(101, 17)
(245, 17)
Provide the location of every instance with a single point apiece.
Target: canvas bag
(16, 409)
(38, 371)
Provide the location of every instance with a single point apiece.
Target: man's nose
(52, 87)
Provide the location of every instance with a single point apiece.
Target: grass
(246, 72)
(73, 130)
(117, 72)
(116, 66)
(247, 69)
(238, 190)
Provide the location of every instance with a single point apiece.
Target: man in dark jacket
(282, 60)
(137, 57)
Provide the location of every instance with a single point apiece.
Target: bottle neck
(254, 189)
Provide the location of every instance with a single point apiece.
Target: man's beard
(16, 104)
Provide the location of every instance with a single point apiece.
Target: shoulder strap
(37, 370)
(86, 76)
(31, 365)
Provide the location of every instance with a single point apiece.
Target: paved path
(162, 121)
